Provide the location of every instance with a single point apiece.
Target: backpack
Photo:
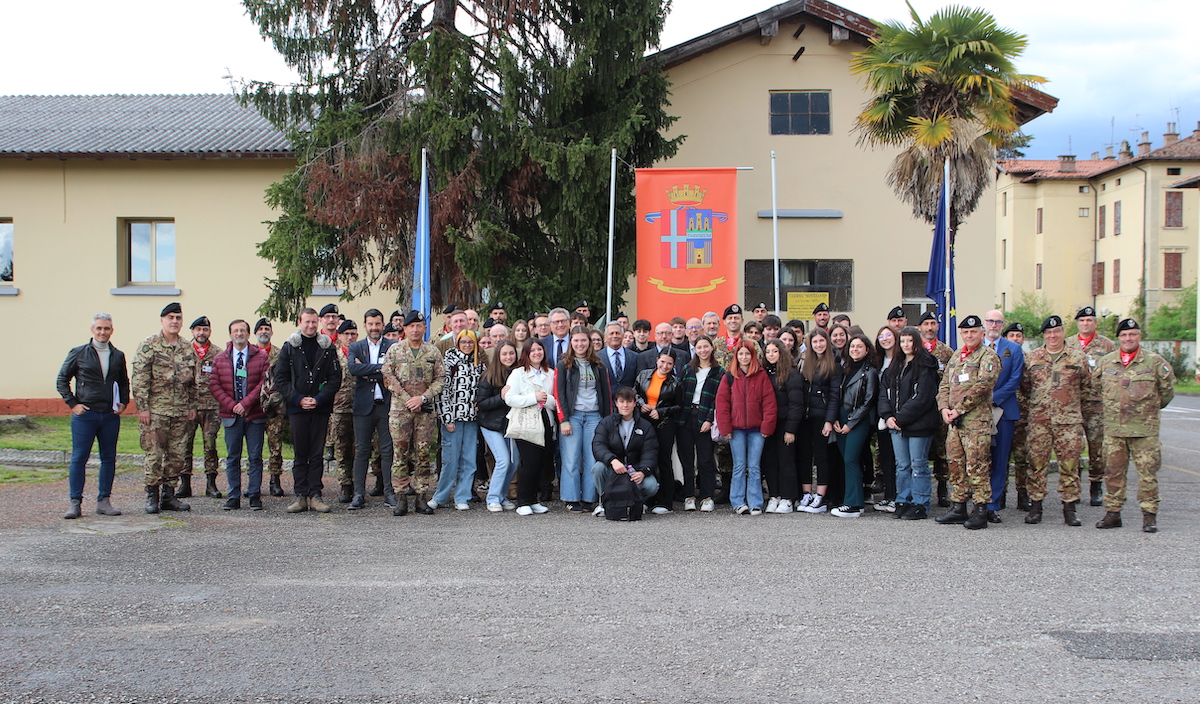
(621, 499)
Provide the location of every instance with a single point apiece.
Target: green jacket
(1133, 395)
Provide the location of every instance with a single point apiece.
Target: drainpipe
(1146, 205)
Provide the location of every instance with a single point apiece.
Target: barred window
(800, 112)
(835, 277)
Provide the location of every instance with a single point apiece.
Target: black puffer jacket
(823, 396)
(908, 393)
(493, 411)
(789, 401)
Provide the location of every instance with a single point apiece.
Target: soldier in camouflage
(965, 401)
(733, 333)
(208, 419)
(163, 386)
(273, 405)
(1095, 346)
(929, 326)
(1056, 380)
(1015, 333)
(1135, 384)
(341, 423)
(414, 372)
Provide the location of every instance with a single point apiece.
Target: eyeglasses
(693, 327)
(989, 321)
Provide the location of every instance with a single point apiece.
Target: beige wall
(722, 98)
(65, 217)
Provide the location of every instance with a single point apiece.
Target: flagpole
(612, 218)
(946, 187)
(775, 228)
(420, 297)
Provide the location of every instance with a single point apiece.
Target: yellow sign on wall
(800, 304)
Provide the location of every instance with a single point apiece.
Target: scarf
(1127, 357)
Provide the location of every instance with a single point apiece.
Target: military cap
(897, 312)
(347, 325)
(498, 305)
(488, 323)
(622, 314)
(1085, 312)
(971, 321)
(446, 311)
(261, 323)
(1128, 324)
(389, 328)
(414, 316)
(395, 314)
(198, 322)
(734, 309)
(329, 309)
(171, 308)
(821, 308)
(758, 305)
(1016, 327)
(927, 315)
(1052, 322)
(582, 304)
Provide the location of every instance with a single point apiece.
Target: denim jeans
(575, 450)
(254, 432)
(913, 484)
(87, 428)
(458, 462)
(504, 451)
(746, 487)
(647, 489)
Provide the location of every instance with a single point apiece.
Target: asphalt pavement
(214, 606)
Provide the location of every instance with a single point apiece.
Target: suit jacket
(649, 360)
(551, 348)
(367, 375)
(1012, 364)
(628, 369)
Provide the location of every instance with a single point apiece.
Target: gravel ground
(214, 606)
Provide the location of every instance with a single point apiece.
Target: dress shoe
(1112, 519)
(421, 506)
(1022, 500)
(168, 502)
(1004, 499)
(1035, 512)
(943, 495)
(185, 487)
(357, 502)
(105, 508)
(994, 517)
(151, 499)
(231, 504)
(1069, 514)
(978, 519)
(956, 515)
(256, 503)
(401, 507)
(389, 497)
(1097, 497)
(316, 504)
(1149, 522)
(300, 505)
(276, 489)
(346, 495)
(377, 490)
(210, 487)
(76, 509)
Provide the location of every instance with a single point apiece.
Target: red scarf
(966, 352)
(201, 352)
(1127, 357)
(1084, 343)
(929, 345)
(731, 341)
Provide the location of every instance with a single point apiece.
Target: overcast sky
(1117, 68)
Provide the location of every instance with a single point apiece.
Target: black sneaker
(901, 509)
(915, 513)
(574, 507)
(231, 504)
(256, 503)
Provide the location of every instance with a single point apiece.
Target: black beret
(329, 308)
(488, 323)
(347, 325)
(734, 309)
(261, 322)
(1128, 324)
(1014, 327)
(928, 315)
(758, 305)
(498, 305)
(1052, 322)
(202, 320)
(414, 316)
(622, 314)
(971, 321)
(821, 308)
(389, 328)
(171, 308)
(395, 314)
(1085, 312)
(446, 311)
(582, 304)
(897, 312)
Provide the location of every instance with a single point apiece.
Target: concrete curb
(60, 458)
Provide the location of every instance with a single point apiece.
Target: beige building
(1099, 231)
(780, 81)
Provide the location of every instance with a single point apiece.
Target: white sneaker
(846, 512)
(495, 508)
(524, 511)
(817, 505)
(707, 505)
(538, 508)
(689, 504)
(507, 505)
(432, 504)
(756, 512)
(599, 510)
(462, 507)
(772, 504)
(885, 506)
(741, 510)
(660, 510)
(785, 506)
(805, 502)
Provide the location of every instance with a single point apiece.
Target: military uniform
(966, 387)
(937, 450)
(1020, 446)
(408, 372)
(1132, 397)
(1093, 404)
(208, 418)
(163, 382)
(722, 353)
(341, 428)
(1056, 385)
(276, 411)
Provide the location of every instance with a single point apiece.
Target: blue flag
(420, 296)
(938, 285)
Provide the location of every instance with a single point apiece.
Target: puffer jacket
(823, 397)
(747, 403)
(221, 382)
(294, 380)
(789, 402)
(492, 410)
(908, 393)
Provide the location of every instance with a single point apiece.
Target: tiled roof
(1186, 149)
(150, 126)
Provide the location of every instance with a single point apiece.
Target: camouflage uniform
(1056, 385)
(1093, 405)
(1132, 397)
(722, 353)
(276, 416)
(1020, 444)
(937, 451)
(163, 382)
(341, 425)
(967, 387)
(408, 372)
(208, 417)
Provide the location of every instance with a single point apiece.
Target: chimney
(1126, 153)
(1095, 156)
(1108, 154)
(1144, 145)
(1196, 133)
(1066, 163)
(1171, 136)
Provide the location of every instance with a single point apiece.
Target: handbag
(526, 424)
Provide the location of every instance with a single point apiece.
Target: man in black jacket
(307, 376)
(101, 393)
(622, 441)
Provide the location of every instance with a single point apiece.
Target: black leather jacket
(92, 388)
(859, 392)
(668, 396)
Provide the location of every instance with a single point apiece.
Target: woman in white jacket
(532, 384)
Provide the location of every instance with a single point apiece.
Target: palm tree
(943, 91)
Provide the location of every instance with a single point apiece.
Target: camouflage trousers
(1093, 428)
(1067, 443)
(341, 436)
(414, 437)
(165, 440)
(1020, 455)
(969, 460)
(1146, 454)
(275, 426)
(940, 470)
(208, 422)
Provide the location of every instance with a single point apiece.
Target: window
(6, 250)
(1004, 204)
(1116, 276)
(1174, 171)
(1085, 189)
(148, 251)
(1174, 213)
(1116, 218)
(1118, 182)
(1039, 221)
(1102, 217)
(912, 295)
(804, 112)
(833, 277)
(1104, 186)
(1038, 278)
(1003, 254)
(1098, 279)
(1085, 212)
(1173, 270)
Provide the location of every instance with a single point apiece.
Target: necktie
(239, 378)
(618, 364)
(558, 353)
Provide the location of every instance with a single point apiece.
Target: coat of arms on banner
(686, 230)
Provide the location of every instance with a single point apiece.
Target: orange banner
(686, 242)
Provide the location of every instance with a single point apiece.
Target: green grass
(1187, 388)
(13, 475)
(54, 433)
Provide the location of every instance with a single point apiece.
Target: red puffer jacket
(746, 403)
(221, 382)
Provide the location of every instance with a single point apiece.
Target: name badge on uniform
(1092, 362)
(637, 431)
(964, 377)
(207, 369)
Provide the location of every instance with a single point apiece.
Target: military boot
(1149, 522)
(402, 506)
(1097, 493)
(316, 504)
(389, 497)
(75, 511)
(378, 489)
(168, 502)
(210, 487)
(1112, 519)
(185, 486)
(978, 519)
(347, 495)
(151, 499)
(957, 514)
(943, 495)
(1022, 500)
(1069, 514)
(276, 489)
(421, 506)
(1035, 512)
(300, 505)
(104, 507)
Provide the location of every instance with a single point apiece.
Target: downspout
(1146, 205)
(1095, 228)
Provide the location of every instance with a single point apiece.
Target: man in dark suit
(1004, 398)
(372, 401)
(662, 342)
(621, 362)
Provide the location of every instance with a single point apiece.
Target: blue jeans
(504, 451)
(913, 484)
(87, 428)
(746, 487)
(575, 451)
(458, 462)
(646, 490)
(253, 431)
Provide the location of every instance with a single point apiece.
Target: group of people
(785, 417)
